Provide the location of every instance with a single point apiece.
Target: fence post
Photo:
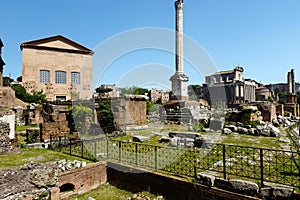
(261, 167)
(120, 151)
(224, 161)
(136, 154)
(70, 146)
(51, 141)
(155, 150)
(59, 141)
(81, 148)
(95, 150)
(107, 143)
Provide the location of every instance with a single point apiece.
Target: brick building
(59, 66)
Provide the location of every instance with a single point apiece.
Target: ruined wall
(280, 109)
(129, 112)
(36, 180)
(4, 138)
(135, 180)
(29, 181)
(58, 126)
(8, 98)
(83, 179)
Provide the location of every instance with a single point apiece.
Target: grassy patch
(23, 128)
(109, 192)
(37, 155)
(251, 141)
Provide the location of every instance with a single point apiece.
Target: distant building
(159, 95)
(59, 66)
(262, 93)
(283, 87)
(2, 63)
(114, 93)
(229, 88)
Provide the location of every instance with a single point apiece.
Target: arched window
(60, 77)
(44, 76)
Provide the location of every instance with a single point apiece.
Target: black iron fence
(228, 161)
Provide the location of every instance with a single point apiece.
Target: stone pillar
(293, 82)
(179, 36)
(179, 79)
(1, 64)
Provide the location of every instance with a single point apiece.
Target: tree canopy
(36, 96)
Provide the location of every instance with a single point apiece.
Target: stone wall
(83, 179)
(29, 181)
(58, 126)
(136, 180)
(4, 138)
(44, 181)
(129, 112)
(8, 98)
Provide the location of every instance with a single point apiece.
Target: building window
(44, 76)
(60, 77)
(75, 78)
(61, 98)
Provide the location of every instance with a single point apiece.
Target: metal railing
(228, 161)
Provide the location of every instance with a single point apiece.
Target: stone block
(282, 193)
(244, 187)
(206, 179)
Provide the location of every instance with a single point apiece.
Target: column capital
(179, 4)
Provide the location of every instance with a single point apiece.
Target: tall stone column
(179, 36)
(179, 79)
(1, 64)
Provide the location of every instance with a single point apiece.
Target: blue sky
(263, 36)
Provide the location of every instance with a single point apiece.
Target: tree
(35, 97)
(19, 91)
(82, 115)
(134, 90)
(7, 81)
(19, 79)
(105, 116)
(101, 90)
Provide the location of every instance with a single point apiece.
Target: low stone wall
(82, 179)
(46, 181)
(136, 180)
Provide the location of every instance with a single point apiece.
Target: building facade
(229, 88)
(58, 66)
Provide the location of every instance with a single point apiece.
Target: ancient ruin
(2, 63)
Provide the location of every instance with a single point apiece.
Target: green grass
(251, 141)
(23, 128)
(27, 155)
(108, 192)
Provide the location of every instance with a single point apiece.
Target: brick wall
(130, 112)
(136, 180)
(84, 179)
(58, 126)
